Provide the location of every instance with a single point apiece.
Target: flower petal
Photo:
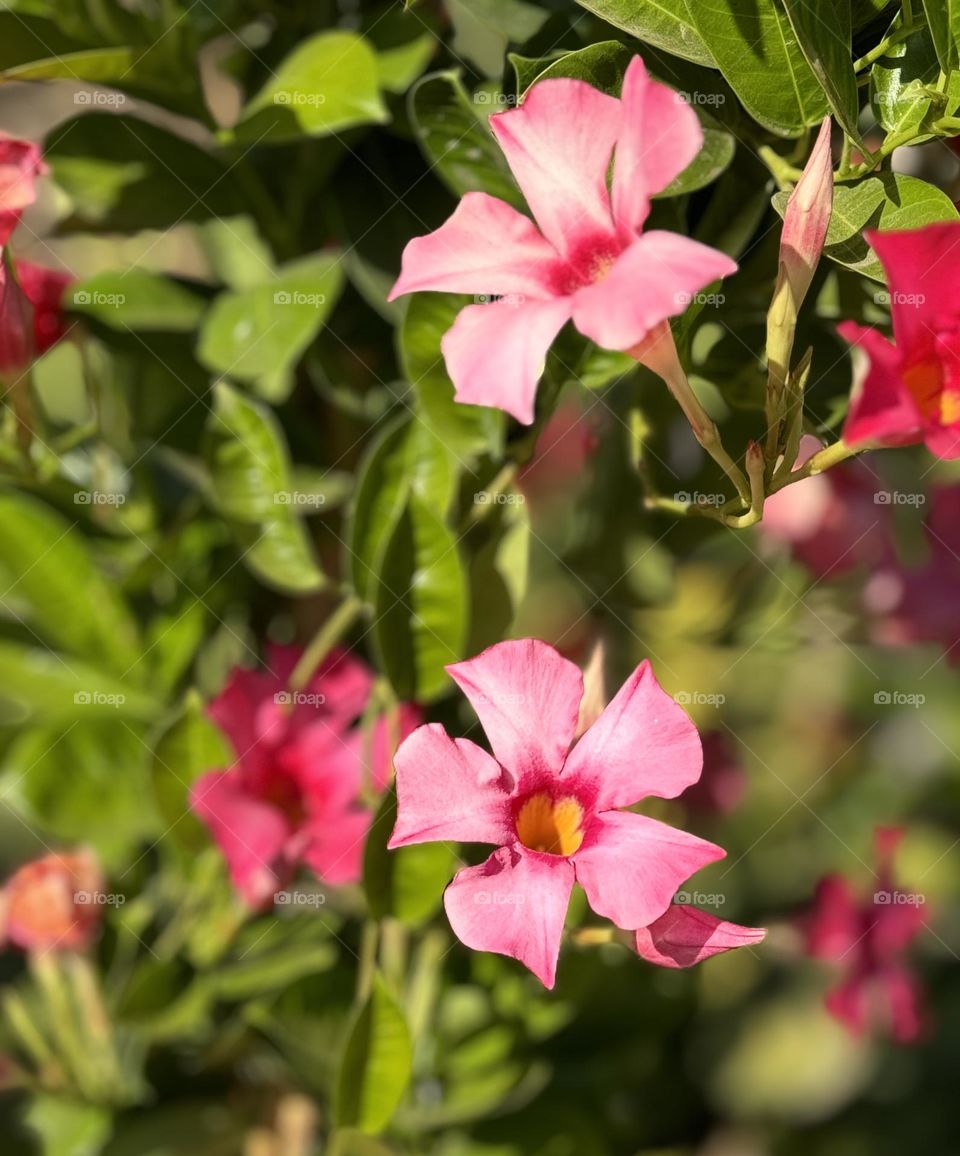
(833, 927)
(514, 904)
(250, 833)
(495, 353)
(334, 847)
(655, 278)
(684, 935)
(485, 246)
(659, 136)
(449, 789)
(558, 145)
(643, 744)
(527, 697)
(923, 275)
(881, 408)
(631, 866)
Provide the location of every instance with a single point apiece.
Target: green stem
(367, 966)
(325, 639)
(486, 500)
(903, 33)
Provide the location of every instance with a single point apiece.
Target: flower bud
(51, 903)
(807, 217)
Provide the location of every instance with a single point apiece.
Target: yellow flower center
(925, 383)
(550, 825)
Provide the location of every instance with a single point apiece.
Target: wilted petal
(684, 935)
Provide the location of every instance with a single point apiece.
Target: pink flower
(552, 808)
(44, 290)
(586, 258)
(807, 217)
(868, 937)
(50, 904)
(832, 521)
(722, 784)
(684, 935)
(20, 165)
(292, 794)
(16, 323)
(911, 392)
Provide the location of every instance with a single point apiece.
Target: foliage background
(203, 376)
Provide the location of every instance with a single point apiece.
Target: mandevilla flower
(16, 323)
(51, 903)
(586, 258)
(868, 937)
(552, 806)
(911, 392)
(44, 289)
(20, 165)
(292, 795)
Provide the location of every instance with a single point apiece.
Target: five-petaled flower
(292, 794)
(552, 806)
(868, 937)
(586, 259)
(911, 392)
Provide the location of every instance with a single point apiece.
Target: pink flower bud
(807, 217)
(53, 903)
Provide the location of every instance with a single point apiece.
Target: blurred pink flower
(20, 165)
(911, 392)
(292, 794)
(832, 522)
(551, 807)
(16, 323)
(51, 904)
(585, 258)
(723, 782)
(564, 449)
(44, 290)
(868, 937)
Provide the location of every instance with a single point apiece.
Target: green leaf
(258, 334)
(825, 36)
(250, 471)
(602, 65)
(903, 87)
(407, 883)
(376, 1065)
(66, 1127)
(191, 746)
(943, 17)
(329, 83)
(711, 162)
(465, 430)
(420, 603)
(52, 586)
(757, 52)
(94, 65)
(138, 300)
(668, 24)
(451, 129)
(884, 201)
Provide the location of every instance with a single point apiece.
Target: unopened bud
(807, 217)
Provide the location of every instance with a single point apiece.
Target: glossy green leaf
(138, 300)
(376, 1065)
(258, 334)
(94, 65)
(825, 36)
(329, 83)
(668, 24)
(407, 883)
(451, 128)
(756, 50)
(53, 587)
(603, 65)
(710, 162)
(943, 18)
(68, 1128)
(904, 91)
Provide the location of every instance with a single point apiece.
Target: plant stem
(325, 639)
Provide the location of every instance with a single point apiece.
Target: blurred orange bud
(53, 903)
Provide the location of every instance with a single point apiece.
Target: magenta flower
(16, 323)
(20, 165)
(292, 795)
(586, 258)
(911, 392)
(868, 937)
(552, 807)
(44, 289)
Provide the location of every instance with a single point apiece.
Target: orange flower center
(553, 826)
(925, 382)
